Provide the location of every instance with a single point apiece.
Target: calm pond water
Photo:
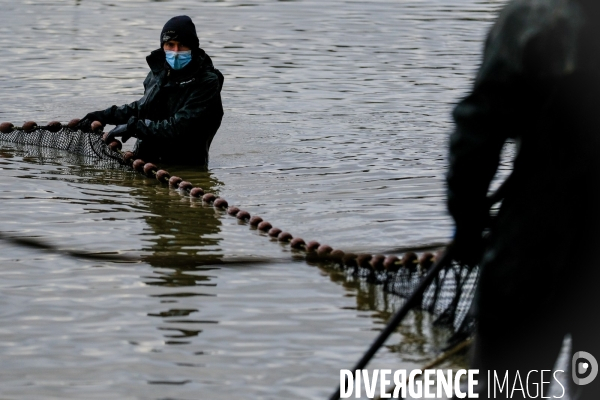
(337, 115)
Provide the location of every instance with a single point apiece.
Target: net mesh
(448, 297)
(87, 144)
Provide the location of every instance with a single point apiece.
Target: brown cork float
(410, 261)
(197, 192)
(243, 215)
(350, 260)
(162, 176)
(426, 261)
(6, 127)
(220, 203)
(174, 181)
(73, 123)
(274, 232)
(150, 170)
(96, 126)
(364, 260)
(128, 157)
(138, 165)
(185, 186)
(30, 126)
(298, 243)
(313, 245)
(392, 264)
(285, 237)
(254, 221)
(377, 262)
(264, 226)
(209, 198)
(54, 126)
(233, 211)
(324, 250)
(337, 256)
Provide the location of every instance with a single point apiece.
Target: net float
(254, 221)
(264, 226)
(73, 123)
(128, 157)
(377, 262)
(162, 175)
(54, 126)
(297, 243)
(349, 260)
(97, 126)
(174, 181)
(6, 127)
(285, 237)
(313, 245)
(208, 197)
(233, 211)
(242, 215)
(197, 192)
(364, 260)
(30, 126)
(150, 169)
(274, 232)
(324, 250)
(337, 255)
(185, 185)
(115, 145)
(410, 260)
(426, 261)
(392, 263)
(220, 203)
(138, 165)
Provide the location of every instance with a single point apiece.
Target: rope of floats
(314, 250)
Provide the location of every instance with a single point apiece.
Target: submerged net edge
(448, 298)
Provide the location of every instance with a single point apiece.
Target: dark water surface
(336, 127)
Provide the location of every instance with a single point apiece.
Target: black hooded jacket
(178, 116)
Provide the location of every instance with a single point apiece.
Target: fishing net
(448, 297)
(61, 137)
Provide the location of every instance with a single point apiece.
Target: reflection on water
(335, 129)
(420, 336)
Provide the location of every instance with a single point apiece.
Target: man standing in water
(181, 111)
(539, 84)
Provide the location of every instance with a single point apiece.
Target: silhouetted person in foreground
(181, 111)
(539, 84)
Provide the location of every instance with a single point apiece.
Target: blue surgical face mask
(178, 59)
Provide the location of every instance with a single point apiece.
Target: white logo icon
(584, 364)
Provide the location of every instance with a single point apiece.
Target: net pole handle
(393, 323)
(500, 193)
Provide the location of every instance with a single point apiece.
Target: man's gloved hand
(119, 131)
(467, 247)
(85, 124)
